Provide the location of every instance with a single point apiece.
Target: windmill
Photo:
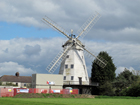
(72, 60)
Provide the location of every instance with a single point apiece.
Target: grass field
(67, 101)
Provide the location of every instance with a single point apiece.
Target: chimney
(17, 74)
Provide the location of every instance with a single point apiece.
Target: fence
(6, 92)
(10, 92)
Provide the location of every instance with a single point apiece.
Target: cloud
(124, 55)
(11, 68)
(120, 19)
(32, 50)
(42, 51)
(6, 50)
(127, 35)
(116, 32)
(31, 53)
(121, 69)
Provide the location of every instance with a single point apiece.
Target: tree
(131, 91)
(99, 74)
(102, 75)
(0, 82)
(136, 74)
(107, 89)
(124, 80)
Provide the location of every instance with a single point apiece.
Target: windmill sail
(85, 28)
(55, 26)
(98, 59)
(57, 60)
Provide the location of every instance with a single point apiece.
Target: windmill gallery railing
(79, 83)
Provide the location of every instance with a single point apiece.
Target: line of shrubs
(131, 91)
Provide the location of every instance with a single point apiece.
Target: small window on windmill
(84, 66)
(72, 66)
(64, 77)
(67, 56)
(66, 66)
(72, 77)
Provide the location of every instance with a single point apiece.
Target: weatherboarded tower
(73, 67)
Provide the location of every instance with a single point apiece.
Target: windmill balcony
(75, 83)
(78, 83)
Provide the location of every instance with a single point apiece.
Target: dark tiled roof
(11, 78)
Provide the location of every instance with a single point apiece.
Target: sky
(27, 45)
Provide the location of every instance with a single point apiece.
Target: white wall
(40, 80)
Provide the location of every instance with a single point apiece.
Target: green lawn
(67, 101)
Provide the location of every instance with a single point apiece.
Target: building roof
(11, 78)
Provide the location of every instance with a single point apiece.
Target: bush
(124, 92)
(131, 91)
(0, 83)
(107, 89)
(134, 91)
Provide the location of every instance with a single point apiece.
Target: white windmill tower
(72, 60)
